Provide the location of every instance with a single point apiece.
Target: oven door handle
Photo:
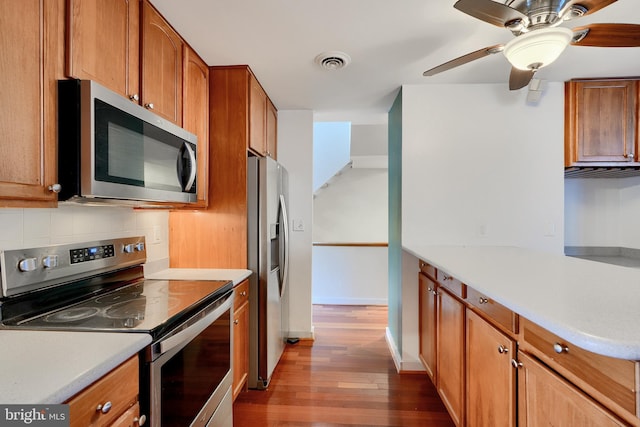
(187, 334)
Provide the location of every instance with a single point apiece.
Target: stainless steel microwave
(112, 150)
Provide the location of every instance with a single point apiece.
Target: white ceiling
(391, 42)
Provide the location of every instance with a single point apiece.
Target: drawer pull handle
(141, 420)
(502, 349)
(483, 300)
(235, 322)
(447, 277)
(559, 348)
(243, 293)
(516, 364)
(104, 408)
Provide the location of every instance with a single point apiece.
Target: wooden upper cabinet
(601, 122)
(103, 39)
(257, 117)
(162, 66)
(195, 116)
(31, 62)
(272, 130)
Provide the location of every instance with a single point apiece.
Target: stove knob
(128, 248)
(50, 261)
(27, 264)
(139, 246)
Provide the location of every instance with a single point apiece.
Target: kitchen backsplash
(24, 228)
(602, 212)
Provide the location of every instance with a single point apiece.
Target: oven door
(190, 370)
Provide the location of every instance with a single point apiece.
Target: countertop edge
(234, 275)
(578, 329)
(73, 361)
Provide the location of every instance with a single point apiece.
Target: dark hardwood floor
(346, 377)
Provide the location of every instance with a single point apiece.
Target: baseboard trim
(395, 354)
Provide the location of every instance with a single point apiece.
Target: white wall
(350, 275)
(331, 150)
(602, 212)
(481, 167)
(295, 152)
(26, 228)
(353, 208)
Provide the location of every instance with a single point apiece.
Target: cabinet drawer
(601, 376)
(120, 387)
(451, 283)
(428, 269)
(495, 312)
(241, 294)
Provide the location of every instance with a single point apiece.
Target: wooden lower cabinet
(427, 324)
(131, 418)
(490, 377)
(241, 338)
(451, 355)
(546, 399)
(119, 388)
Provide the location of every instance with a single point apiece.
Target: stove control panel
(92, 253)
(25, 270)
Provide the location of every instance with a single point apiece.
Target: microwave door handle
(192, 170)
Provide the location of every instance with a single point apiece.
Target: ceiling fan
(539, 37)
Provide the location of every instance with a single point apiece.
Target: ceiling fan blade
(490, 11)
(481, 53)
(595, 5)
(607, 35)
(520, 78)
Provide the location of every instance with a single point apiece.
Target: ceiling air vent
(333, 60)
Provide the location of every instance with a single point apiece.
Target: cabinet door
(257, 117)
(196, 115)
(31, 62)
(103, 43)
(272, 130)
(491, 380)
(451, 352)
(161, 66)
(427, 327)
(602, 122)
(240, 349)
(131, 418)
(546, 399)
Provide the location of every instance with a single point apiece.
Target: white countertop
(52, 366)
(236, 276)
(593, 305)
(39, 367)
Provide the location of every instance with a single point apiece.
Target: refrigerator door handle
(284, 271)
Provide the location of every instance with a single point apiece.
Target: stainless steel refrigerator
(268, 257)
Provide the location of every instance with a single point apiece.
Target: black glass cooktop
(143, 306)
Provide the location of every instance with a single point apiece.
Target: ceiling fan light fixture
(538, 48)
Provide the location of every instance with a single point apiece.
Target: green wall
(395, 221)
